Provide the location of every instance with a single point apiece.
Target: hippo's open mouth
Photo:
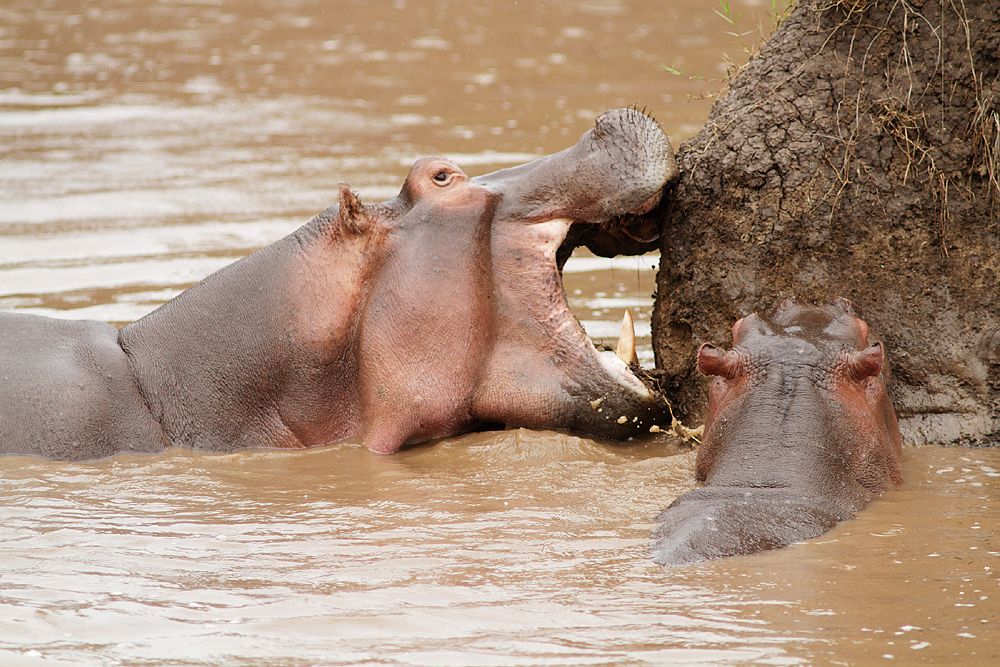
(623, 362)
(465, 320)
(594, 193)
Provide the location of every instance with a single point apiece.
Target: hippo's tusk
(626, 341)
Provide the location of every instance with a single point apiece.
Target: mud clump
(858, 155)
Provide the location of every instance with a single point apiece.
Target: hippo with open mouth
(800, 435)
(425, 316)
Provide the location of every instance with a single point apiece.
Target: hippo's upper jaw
(619, 167)
(800, 434)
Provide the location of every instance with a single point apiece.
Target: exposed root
(677, 428)
(893, 117)
(899, 111)
(849, 8)
(986, 135)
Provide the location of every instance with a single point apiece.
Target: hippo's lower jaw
(567, 384)
(627, 412)
(710, 523)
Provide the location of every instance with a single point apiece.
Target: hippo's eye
(443, 177)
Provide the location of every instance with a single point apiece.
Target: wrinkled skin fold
(800, 435)
(421, 317)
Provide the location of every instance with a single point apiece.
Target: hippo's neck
(250, 356)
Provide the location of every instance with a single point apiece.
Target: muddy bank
(856, 156)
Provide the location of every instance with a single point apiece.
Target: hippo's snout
(618, 168)
(641, 156)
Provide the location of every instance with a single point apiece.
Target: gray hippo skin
(800, 435)
(421, 317)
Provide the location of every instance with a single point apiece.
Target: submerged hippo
(800, 435)
(420, 317)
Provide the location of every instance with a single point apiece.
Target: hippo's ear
(866, 363)
(846, 306)
(787, 303)
(714, 360)
(352, 213)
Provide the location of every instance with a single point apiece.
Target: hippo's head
(461, 314)
(800, 434)
(809, 380)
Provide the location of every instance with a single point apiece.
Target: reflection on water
(144, 145)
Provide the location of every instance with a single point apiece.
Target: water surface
(511, 548)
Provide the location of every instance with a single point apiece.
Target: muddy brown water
(144, 146)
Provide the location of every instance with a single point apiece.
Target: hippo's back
(716, 522)
(67, 391)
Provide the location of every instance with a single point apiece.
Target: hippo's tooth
(626, 341)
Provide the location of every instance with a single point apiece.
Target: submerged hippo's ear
(787, 303)
(866, 363)
(846, 306)
(714, 360)
(352, 213)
